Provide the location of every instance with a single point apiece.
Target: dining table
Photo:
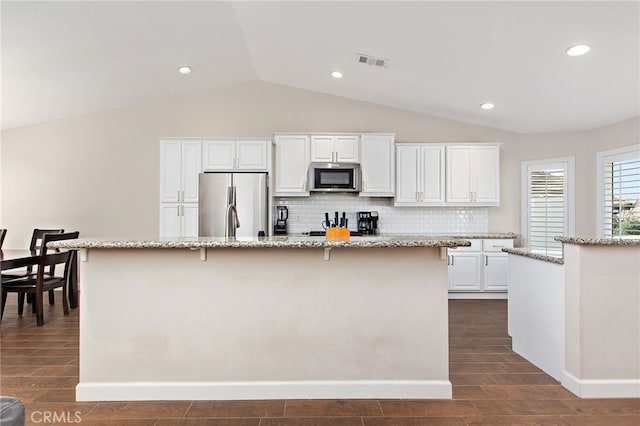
(16, 258)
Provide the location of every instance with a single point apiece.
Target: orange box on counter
(337, 234)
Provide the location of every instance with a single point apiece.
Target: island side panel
(258, 316)
(602, 284)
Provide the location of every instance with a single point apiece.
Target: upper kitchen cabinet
(230, 155)
(377, 162)
(335, 148)
(473, 174)
(419, 175)
(180, 163)
(291, 165)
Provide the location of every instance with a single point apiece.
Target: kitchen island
(263, 318)
(577, 317)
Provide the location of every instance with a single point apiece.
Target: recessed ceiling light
(185, 70)
(336, 74)
(487, 105)
(578, 49)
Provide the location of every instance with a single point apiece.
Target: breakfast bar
(263, 318)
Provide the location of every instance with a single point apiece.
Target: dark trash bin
(11, 411)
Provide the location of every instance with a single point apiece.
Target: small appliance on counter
(282, 214)
(368, 223)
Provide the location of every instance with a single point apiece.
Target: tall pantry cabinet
(180, 165)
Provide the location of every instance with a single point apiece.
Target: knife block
(337, 234)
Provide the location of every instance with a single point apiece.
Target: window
(547, 204)
(618, 177)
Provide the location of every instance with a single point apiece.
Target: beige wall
(98, 173)
(583, 146)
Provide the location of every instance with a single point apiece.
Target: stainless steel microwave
(334, 177)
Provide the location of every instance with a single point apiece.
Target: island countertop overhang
(260, 242)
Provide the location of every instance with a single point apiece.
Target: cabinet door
(347, 149)
(496, 271)
(485, 167)
(465, 271)
(322, 149)
(170, 220)
(377, 162)
(191, 167)
(170, 171)
(218, 155)
(291, 165)
(458, 182)
(189, 220)
(432, 176)
(407, 174)
(251, 155)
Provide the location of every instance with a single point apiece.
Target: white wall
(98, 173)
(584, 146)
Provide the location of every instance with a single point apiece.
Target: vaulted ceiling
(445, 58)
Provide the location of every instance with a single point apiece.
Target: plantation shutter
(621, 196)
(547, 207)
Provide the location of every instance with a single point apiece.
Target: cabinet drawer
(476, 245)
(496, 245)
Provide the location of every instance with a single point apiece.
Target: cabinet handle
(182, 197)
(452, 259)
(178, 195)
(486, 260)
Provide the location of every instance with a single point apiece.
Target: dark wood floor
(491, 385)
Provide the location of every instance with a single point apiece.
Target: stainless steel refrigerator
(229, 202)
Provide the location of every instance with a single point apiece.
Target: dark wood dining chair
(3, 233)
(41, 283)
(35, 247)
(43, 250)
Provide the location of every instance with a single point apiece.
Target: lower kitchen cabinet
(482, 267)
(179, 220)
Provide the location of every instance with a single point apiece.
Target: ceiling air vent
(372, 60)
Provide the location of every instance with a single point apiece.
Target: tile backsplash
(307, 213)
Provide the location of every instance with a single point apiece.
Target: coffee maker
(368, 223)
(282, 214)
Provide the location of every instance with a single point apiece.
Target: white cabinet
(377, 164)
(473, 174)
(229, 155)
(482, 267)
(335, 148)
(180, 164)
(291, 165)
(465, 267)
(419, 175)
(496, 264)
(179, 220)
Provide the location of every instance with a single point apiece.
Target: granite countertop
(259, 242)
(599, 241)
(521, 251)
(486, 236)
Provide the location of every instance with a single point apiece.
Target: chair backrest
(3, 233)
(48, 237)
(36, 239)
(53, 259)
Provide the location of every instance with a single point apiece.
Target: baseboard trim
(352, 389)
(613, 388)
(495, 295)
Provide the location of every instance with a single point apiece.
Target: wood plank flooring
(491, 385)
